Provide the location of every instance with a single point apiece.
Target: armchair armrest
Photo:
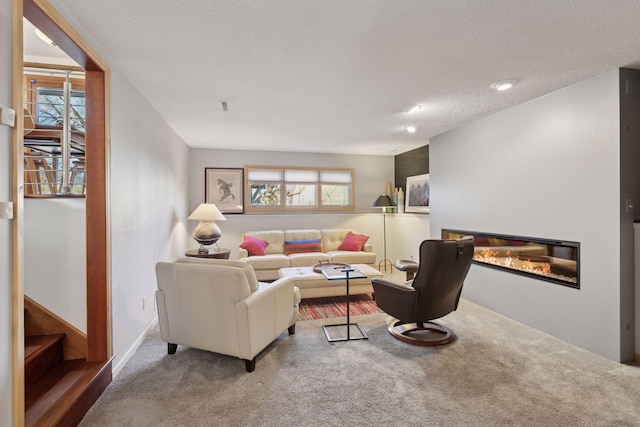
(265, 314)
(368, 247)
(408, 265)
(242, 253)
(396, 299)
(403, 287)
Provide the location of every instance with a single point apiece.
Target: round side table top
(219, 253)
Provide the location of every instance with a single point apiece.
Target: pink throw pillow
(253, 245)
(353, 242)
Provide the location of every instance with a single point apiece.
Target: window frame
(282, 207)
(33, 82)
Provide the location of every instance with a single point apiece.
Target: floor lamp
(384, 201)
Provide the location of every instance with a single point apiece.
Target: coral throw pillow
(353, 242)
(299, 246)
(253, 245)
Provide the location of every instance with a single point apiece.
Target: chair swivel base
(425, 334)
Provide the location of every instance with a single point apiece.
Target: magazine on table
(338, 273)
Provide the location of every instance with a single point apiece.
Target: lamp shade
(383, 201)
(207, 212)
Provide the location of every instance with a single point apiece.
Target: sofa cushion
(268, 262)
(353, 242)
(302, 234)
(253, 245)
(275, 238)
(351, 257)
(302, 246)
(308, 259)
(333, 237)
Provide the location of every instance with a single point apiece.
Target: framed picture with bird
(224, 188)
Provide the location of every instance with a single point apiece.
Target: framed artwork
(225, 188)
(416, 197)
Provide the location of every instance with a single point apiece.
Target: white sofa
(266, 266)
(219, 306)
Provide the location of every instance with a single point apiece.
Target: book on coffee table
(338, 273)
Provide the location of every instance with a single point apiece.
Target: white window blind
(265, 175)
(283, 189)
(338, 177)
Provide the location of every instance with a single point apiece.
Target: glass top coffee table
(344, 273)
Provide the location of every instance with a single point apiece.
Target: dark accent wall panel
(629, 203)
(414, 162)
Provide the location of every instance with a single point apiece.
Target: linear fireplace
(554, 261)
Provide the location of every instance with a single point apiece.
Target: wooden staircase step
(41, 353)
(64, 395)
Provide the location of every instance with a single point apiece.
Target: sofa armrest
(242, 253)
(368, 247)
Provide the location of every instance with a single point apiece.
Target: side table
(344, 273)
(219, 253)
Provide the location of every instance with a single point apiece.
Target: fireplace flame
(525, 264)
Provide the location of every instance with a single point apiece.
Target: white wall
(149, 200)
(6, 389)
(55, 273)
(148, 204)
(372, 173)
(547, 168)
(405, 232)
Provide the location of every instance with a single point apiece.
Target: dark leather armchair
(433, 293)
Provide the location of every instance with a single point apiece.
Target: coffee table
(315, 285)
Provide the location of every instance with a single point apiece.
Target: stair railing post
(66, 137)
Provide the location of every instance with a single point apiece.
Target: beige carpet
(498, 373)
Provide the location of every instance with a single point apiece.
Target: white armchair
(219, 306)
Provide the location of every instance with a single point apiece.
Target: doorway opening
(98, 341)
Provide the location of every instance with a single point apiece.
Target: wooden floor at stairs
(57, 392)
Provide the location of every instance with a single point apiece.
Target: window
(47, 171)
(283, 189)
(50, 107)
(44, 100)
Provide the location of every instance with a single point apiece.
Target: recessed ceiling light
(42, 36)
(411, 129)
(503, 85)
(410, 109)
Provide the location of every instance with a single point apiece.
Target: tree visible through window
(50, 108)
(285, 189)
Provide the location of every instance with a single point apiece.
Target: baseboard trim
(125, 358)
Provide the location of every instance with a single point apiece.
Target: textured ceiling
(333, 75)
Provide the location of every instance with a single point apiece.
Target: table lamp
(207, 231)
(384, 201)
